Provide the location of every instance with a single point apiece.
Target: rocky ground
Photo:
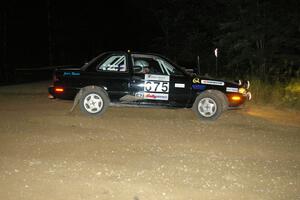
(143, 153)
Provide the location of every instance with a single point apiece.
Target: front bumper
(237, 99)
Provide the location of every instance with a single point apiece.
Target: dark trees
(262, 38)
(257, 38)
(188, 28)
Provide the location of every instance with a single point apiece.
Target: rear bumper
(68, 93)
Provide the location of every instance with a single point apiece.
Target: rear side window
(113, 63)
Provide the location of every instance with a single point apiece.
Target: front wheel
(93, 101)
(208, 105)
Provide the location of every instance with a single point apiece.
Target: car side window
(113, 63)
(146, 65)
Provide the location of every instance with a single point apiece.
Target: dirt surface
(143, 153)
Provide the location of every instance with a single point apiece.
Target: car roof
(132, 52)
(128, 52)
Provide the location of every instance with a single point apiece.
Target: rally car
(144, 79)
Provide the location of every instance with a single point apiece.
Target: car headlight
(242, 90)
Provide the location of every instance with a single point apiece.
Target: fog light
(236, 98)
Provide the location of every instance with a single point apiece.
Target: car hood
(213, 81)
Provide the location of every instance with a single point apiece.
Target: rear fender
(82, 90)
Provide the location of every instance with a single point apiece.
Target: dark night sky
(80, 30)
(185, 29)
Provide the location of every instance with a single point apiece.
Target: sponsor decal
(212, 82)
(156, 86)
(154, 77)
(231, 89)
(198, 87)
(156, 96)
(179, 85)
(196, 80)
(71, 74)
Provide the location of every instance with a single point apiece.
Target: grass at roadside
(279, 94)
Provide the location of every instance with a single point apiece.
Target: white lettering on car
(179, 85)
(212, 82)
(154, 77)
(156, 96)
(156, 86)
(231, 89)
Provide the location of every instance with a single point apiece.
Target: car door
(180, 89)
(153, 83)
(180, 84)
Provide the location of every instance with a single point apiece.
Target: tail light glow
(58, 90)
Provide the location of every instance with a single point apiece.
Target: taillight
(58, 90)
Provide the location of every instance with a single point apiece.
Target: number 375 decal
(156, 86)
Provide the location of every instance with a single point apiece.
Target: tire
(93, 101)
(209, 105)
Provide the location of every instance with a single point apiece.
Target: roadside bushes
(283, 94)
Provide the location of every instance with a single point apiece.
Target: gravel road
(143, 153)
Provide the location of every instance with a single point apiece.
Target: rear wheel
(208, 105)
(93, 101)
